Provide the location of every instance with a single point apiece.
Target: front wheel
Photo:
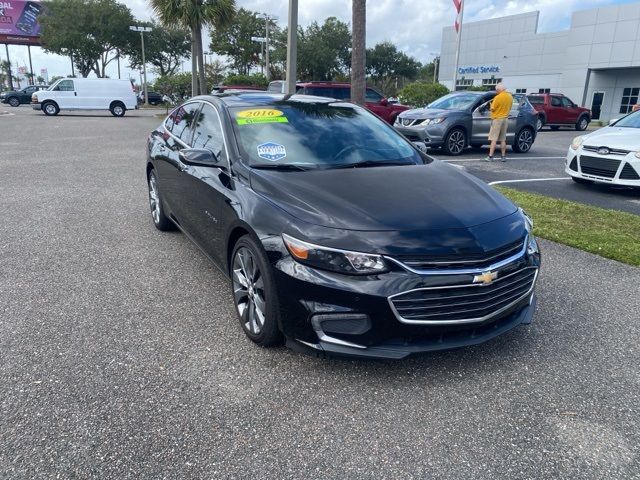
(160, 220)
(455, 142)
(582, 123)
(523, 141)
(254, 293)
(50, 109)
(14, 102)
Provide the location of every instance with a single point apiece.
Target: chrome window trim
(465, 271)
(466, 320)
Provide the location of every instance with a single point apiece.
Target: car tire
(117, 109)
(523, 141)
(582, 181)
(582, 123)
(455, 142)
(50, 109)
(160, 220)
(14, 101)
(555, 128)
(539, 123)
(254, 293)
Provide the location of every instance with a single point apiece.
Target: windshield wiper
(283, 167)
(373, 163)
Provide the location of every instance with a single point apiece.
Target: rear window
(536, 99)
(317, 136)
(331, 92)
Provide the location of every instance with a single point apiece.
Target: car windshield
(318, 135)
(455, 101)
(630, 121)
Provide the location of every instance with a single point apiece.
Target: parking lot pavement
(121, 357)
(542, 171)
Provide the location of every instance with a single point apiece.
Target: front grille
(574, 164)
(466, 303)
(461, 259)
(612, 151)
(599, 167)
(629, 173)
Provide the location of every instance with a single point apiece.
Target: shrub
(255, 80)
(420, 94)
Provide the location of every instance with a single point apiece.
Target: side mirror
(384, 102)
(200, 157)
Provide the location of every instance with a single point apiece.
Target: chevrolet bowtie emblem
(486, 278)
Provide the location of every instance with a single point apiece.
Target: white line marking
(497, 160)
(529, 180)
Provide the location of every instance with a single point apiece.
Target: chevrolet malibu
(337, 234)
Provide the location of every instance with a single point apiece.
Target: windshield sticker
(260, 115)
(272, 151)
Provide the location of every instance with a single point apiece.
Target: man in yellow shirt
(500, 108)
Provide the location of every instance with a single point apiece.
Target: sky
(415, 26)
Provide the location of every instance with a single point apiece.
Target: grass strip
(608, 233)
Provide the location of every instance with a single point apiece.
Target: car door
(25, 94)
(571, 111)
(555, 112)
(206, 190)
(481, 123)
(178, 130)
(513, 121)
(66, 94)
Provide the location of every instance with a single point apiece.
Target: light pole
(261, 41)
(436, 61)
(142, 31)
(267, 19)
(292, 48)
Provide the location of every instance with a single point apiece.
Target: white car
(610, 155)
(116, 96)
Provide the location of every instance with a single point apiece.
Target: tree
(177, 84)
(420, 94)
(235, 40)
(215, 71)
(40, 79)
(386, 64)
(5, 74)
(194, 14)
(89, 31)
(358, 53)
(164, 48)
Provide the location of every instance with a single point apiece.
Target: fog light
(342, 323)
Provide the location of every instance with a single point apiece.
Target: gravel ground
(121, 357)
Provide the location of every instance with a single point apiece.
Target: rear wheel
(118, 109)
(50, 108)
(523, 141)
(582, 124)
(582, 181)
(254, 293)
(540, 123)
(455, 142)
(14, 102)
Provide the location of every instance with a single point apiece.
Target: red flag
(458, 5)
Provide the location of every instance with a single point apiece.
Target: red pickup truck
(375, 101)
(556, 110)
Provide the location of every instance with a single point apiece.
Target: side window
(372, 96)
(65, 86)
(567, 103)
(183, 119)
(207, 132)
(29, 89)
(556, 102)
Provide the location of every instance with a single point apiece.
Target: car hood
(615, 137)
(397, 198)
(427, 113)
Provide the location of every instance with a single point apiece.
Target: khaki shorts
(498, 130)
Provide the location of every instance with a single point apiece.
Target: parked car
(155, 98)
(610, 155)
(361, 245)
(224, 88)
(375, 101)
(462, 119)
(556, 110)
(20, 97)
(116, 96)
(276, 86)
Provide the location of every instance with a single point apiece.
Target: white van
(86, 94)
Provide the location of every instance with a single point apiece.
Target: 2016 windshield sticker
(272, 151)
(260, 115)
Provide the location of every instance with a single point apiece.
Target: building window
(521, 90)
(544, 90)
(464, 83)
(629, 99)
(491, 83)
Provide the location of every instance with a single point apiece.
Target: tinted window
(207, 132)
(372, 96)
(331, 92)
(556, 102)
(317, 135)
(566, 102)
(183, 119)
(65, 86)
(455, 101)
(30, 89)
(536, 99)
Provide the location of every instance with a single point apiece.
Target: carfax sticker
(272, 151)
(260, 115)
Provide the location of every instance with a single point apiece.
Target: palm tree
(358, 51)
(194, 14)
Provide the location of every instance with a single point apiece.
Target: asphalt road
(121, 356)
(545, 165)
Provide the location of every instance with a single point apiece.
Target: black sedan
(20, 97)
(337, 234)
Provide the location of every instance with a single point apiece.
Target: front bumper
(432, 135)
(368, 325)
(36, 106)
(612, 169)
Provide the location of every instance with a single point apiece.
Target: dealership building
(596, 62)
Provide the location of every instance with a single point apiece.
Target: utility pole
(31, 66)
(10, 74)
(142, 31)
(118, 57)
(73, 71)
(436, 61)
(292, 48)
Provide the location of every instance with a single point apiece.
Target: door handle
(75, 94)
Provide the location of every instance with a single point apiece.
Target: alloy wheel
(50, 109)
(154, 199)
(539, 124)
(456, 142)
(14, 102)
(248, 291)
(584, 123)
(118, 110)
(525, 140)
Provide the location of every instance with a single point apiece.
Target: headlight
(34, 98)
(577, 143)
(528, 221)
(433, 121)
(532, 245)
(341, 261)
(638, 154)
